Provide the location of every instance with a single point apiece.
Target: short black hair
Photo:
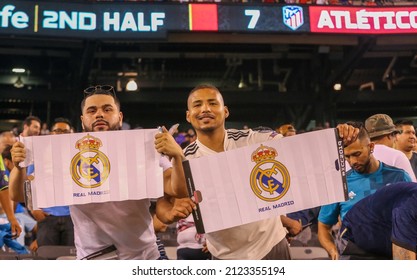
(97, 91)
(61, 120)
(363, 132)
(201, 86)
(404, 122)
(28, 120)
(6, 154)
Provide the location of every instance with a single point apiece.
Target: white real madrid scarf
(82, 168)
(266, 180)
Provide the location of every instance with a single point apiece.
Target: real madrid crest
(269, 179)
(89, 167)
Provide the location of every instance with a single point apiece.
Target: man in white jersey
(123, 225)
(382, 132)
(259, 240)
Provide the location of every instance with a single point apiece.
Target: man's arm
(293, 227)
(18, 174)
(174, 179)
(400, 253)
(7, 206)
(326, 240)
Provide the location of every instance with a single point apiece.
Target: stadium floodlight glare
(131, 85)
(19, 70)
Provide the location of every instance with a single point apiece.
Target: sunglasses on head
(99, 89)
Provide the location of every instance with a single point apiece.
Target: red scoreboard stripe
(203, 17)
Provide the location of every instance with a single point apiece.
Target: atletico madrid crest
(293, 16)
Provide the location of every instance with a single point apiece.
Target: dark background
(284, 77)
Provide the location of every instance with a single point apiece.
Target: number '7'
(254, 14)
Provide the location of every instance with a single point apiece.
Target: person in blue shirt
(55, 226)
(25, 220)
(9, 228)
(385, 223)
(366, 176)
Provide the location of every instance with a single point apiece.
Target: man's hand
(15, 228)
(205, 249)
(333, 254)
(33, 246)
(39, 215)
(166, 144)
(348, 133)
(177, 209)
(18, 153)
(326, 240)
(293, 227)
(182, 208)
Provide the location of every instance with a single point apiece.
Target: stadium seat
(51, 252)
(308, 253)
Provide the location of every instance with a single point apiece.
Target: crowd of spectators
(379, 137)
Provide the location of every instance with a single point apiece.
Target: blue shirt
(360, 186)
(54, 211)
(19, 207)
